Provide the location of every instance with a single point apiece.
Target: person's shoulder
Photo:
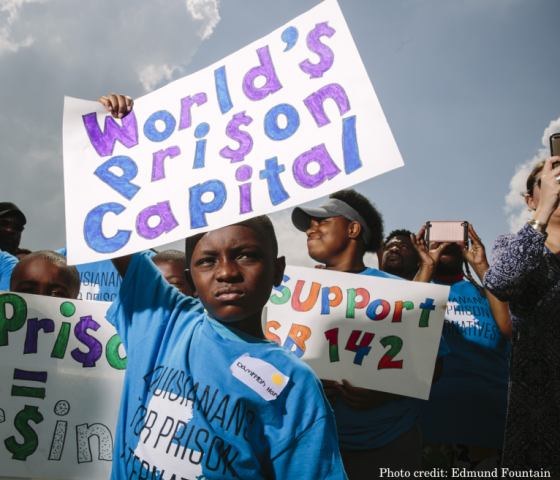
(374, 272)
(7, 259)
(525, 231)
(504, 239)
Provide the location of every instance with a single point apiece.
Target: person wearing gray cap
(376, 430)
(12, 223)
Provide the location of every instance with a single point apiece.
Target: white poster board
(377, 333)
(61, 376)
(287, 119)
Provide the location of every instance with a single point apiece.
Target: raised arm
(119, 106)
(515, 257)
(428, 258)
(121, 264)
(476, 256)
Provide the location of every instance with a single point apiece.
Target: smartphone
(555, 147)
(447, 231)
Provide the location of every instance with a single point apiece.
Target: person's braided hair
(471, 279)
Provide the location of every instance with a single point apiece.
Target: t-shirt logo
(260, 376)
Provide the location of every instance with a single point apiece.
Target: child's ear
(354, 229)
(279, 267)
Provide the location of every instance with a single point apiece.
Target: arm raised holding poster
(264, 129)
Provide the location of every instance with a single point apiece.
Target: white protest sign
(290, 118)
(377, 333)
(61, 376)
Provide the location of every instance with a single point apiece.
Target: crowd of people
(494, 405)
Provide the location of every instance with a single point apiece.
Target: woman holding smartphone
(464, 420)
(525, 272)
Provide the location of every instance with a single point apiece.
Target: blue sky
(468, 88)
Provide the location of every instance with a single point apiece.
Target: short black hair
(398, 233)
(56, 258)
(372, 216)
(170, 256)
(262, 224)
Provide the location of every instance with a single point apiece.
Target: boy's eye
(205, 261)
(247, 255)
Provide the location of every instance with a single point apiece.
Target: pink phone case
(447, 231)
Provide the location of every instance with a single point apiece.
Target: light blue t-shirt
(99, 280)
(7, 264)
(360, 430)
(193, 401)
(468, 404)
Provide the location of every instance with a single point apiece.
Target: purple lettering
(266, 69)
(186, 104)
(166, 224)
(243, 138)
(104, 142)
(158, 172)
(95, 348)
(328, 169)
(326, 54)
(315, 102)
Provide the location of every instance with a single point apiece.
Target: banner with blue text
(377, 333)
(61, 375)
(288, 119)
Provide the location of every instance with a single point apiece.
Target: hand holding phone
(457, 231)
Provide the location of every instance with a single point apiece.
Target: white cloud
(205, 11)
(515, 202)
(10, 9)
(84, 50)
(151, 75)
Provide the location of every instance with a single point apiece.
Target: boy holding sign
(205, 393)
(376, 429)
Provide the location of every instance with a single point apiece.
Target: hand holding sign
(266, 128)
(118, 106)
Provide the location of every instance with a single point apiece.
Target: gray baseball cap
(301, 216)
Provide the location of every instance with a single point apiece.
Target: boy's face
(327, 238)
(234, 269)
(174, 273)
(399, 255)
(41, 277)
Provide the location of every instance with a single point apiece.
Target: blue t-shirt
(195, 403)
(360, 430)
(99, 280)
(469, 402)
(7, 264)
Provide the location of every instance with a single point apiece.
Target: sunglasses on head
(16, 226)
